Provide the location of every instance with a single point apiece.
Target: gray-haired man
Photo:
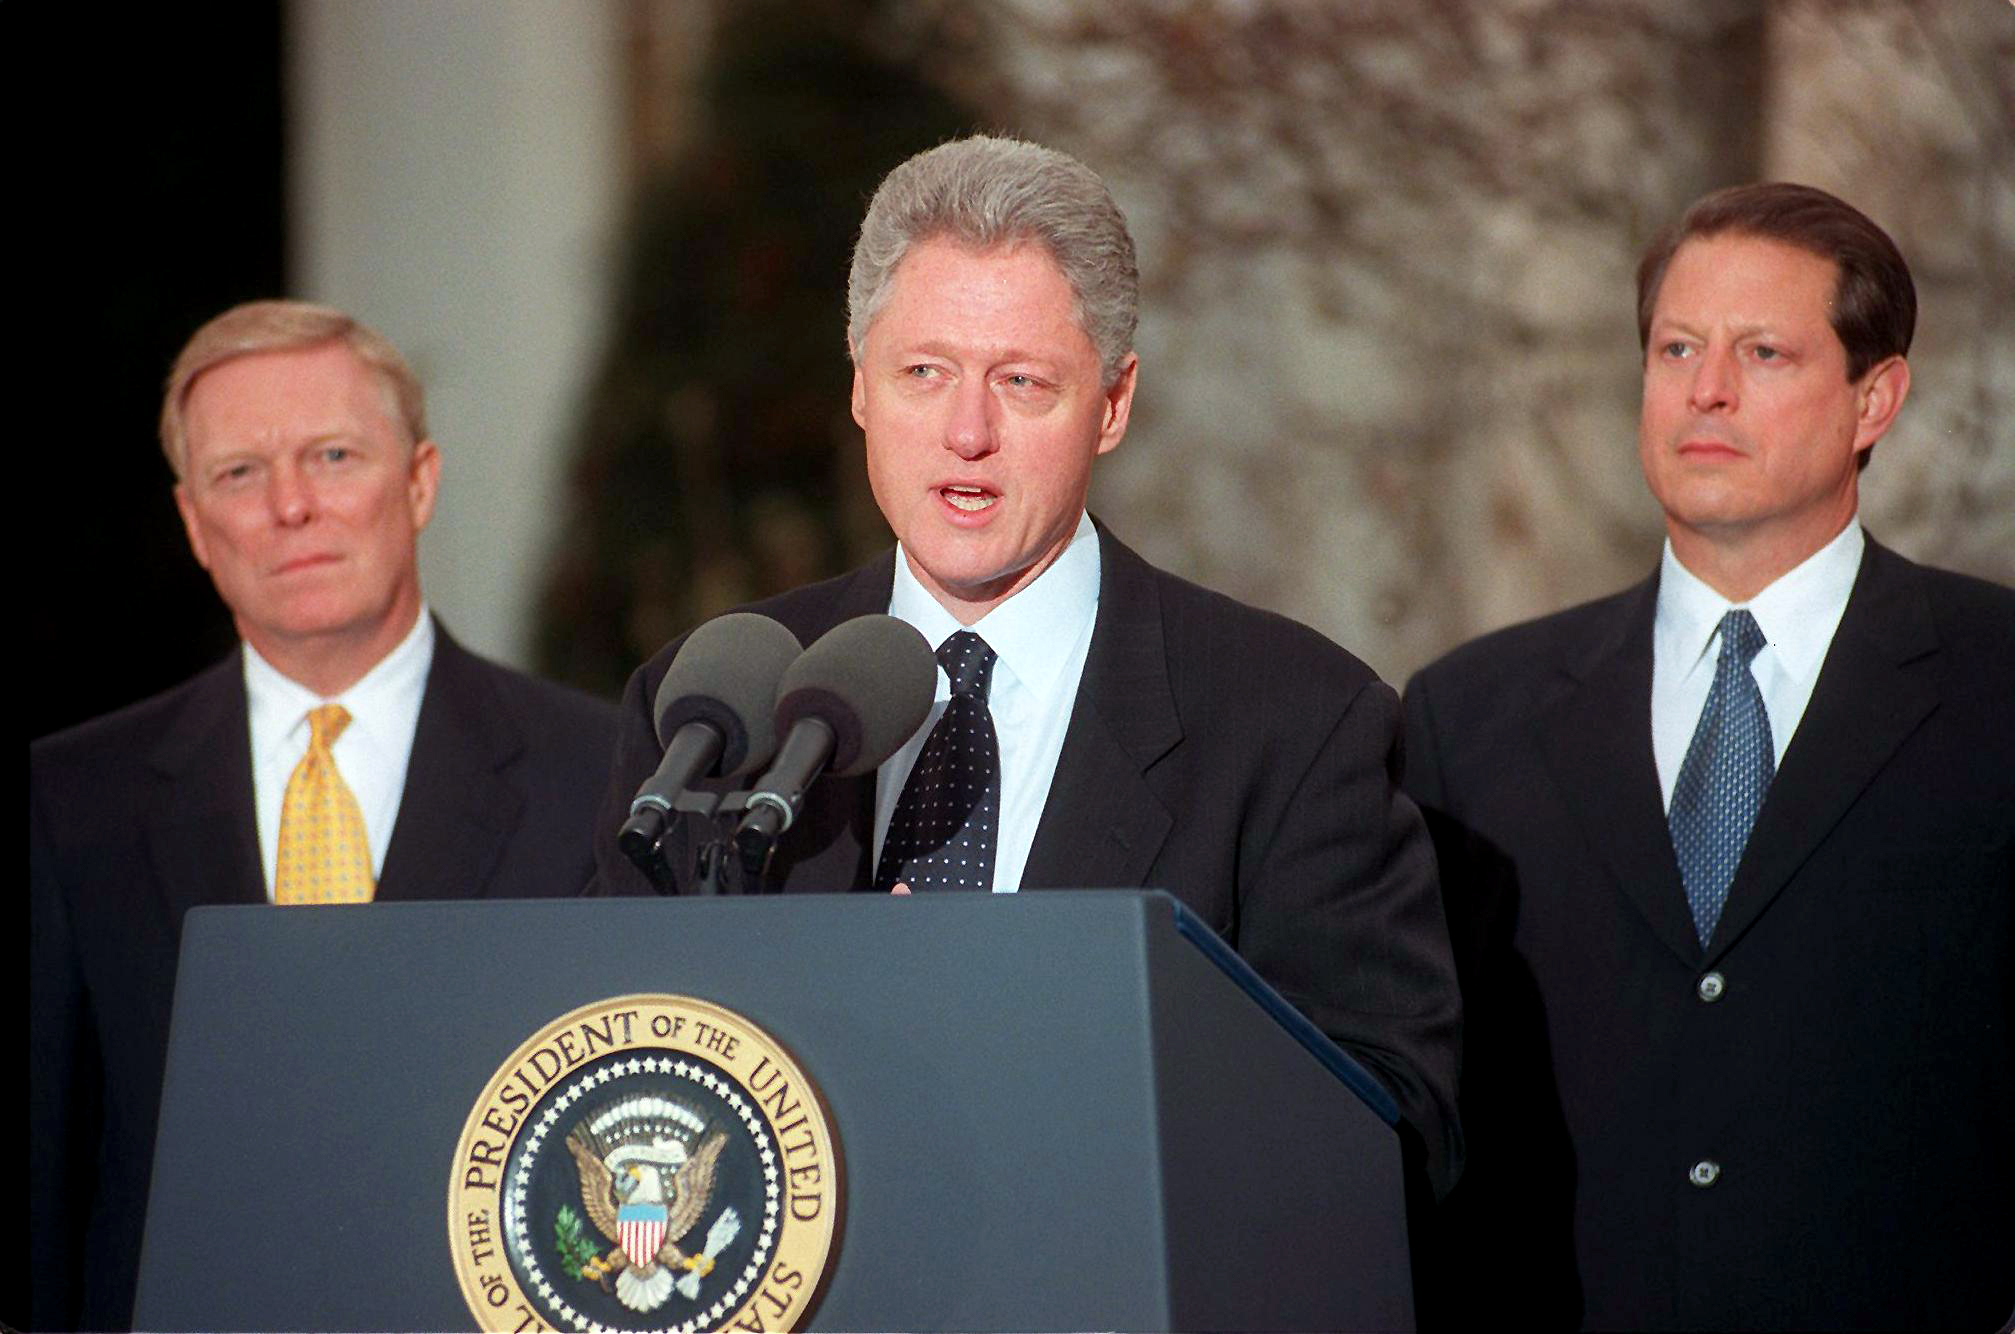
(1136, 729)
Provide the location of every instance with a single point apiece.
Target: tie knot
(1741, 637)
(325, 723)
(969, 662)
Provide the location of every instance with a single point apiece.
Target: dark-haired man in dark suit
(1127, 728)
(1730, 856)
(350, 732)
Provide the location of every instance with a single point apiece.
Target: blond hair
(286, 326)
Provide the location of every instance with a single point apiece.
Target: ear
(1118, 407)
(1877, 400)
(860, 398)
(190, 525)
(423, 482)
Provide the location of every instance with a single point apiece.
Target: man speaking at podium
(1100, 722)
(350, 750)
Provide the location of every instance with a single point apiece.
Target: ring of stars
(516, 1221)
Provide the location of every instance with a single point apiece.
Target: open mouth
(969, 499)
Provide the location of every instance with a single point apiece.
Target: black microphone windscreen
(727, 674)
(871, 680)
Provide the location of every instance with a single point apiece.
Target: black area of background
(159, 130)
(147, 192)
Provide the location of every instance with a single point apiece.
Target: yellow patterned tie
(324, 856)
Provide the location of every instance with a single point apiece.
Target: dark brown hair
(1874, 301)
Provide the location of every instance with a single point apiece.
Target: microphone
(848, 703)
(715, 719)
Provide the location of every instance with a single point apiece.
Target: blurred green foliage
(717, 461)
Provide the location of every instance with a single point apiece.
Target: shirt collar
(1026, 630)
(277, 704)
(1797, 612)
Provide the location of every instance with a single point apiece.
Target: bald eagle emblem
(646, 1166)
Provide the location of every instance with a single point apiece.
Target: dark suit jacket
(1850, 1068)
(136, 817)
(1228, 755)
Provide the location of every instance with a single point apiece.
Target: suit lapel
(1597, 740)
(1875, 688)
(204, 836)
(456, 811)
(1103, 826)
(828, 848)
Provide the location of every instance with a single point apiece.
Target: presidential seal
(648, 1162)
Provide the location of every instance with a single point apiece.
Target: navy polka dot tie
(947, 819)
(1727, 770)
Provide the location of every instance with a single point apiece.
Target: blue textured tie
(1727, 770)
(947, 819)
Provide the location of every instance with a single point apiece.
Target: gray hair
(286, 326)
(984, 192)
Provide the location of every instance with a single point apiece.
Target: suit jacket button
(1704, 1173)
(1711, 987)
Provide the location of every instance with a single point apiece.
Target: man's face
(303, 499)
(983, 406)
(1751, 431)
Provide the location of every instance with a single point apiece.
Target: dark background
(148, 195)
(156, 187)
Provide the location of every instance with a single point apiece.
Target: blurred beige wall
(1389, 363)
(455, 173)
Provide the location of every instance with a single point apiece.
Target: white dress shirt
(1798, 614)
(1040, 637)
(371, 754)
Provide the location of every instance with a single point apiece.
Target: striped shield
(640, 1228)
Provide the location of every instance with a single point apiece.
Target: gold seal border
(800, 1123)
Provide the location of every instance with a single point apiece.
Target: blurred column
(456, 171)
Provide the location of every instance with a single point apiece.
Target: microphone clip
(732, 861)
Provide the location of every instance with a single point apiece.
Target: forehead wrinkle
(284, 431)
(991, 288)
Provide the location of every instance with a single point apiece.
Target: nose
(970, 432)
(291, 496)
(1714, 381)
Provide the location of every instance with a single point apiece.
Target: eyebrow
(325, 436)
(1744, 330)
(993, 357)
